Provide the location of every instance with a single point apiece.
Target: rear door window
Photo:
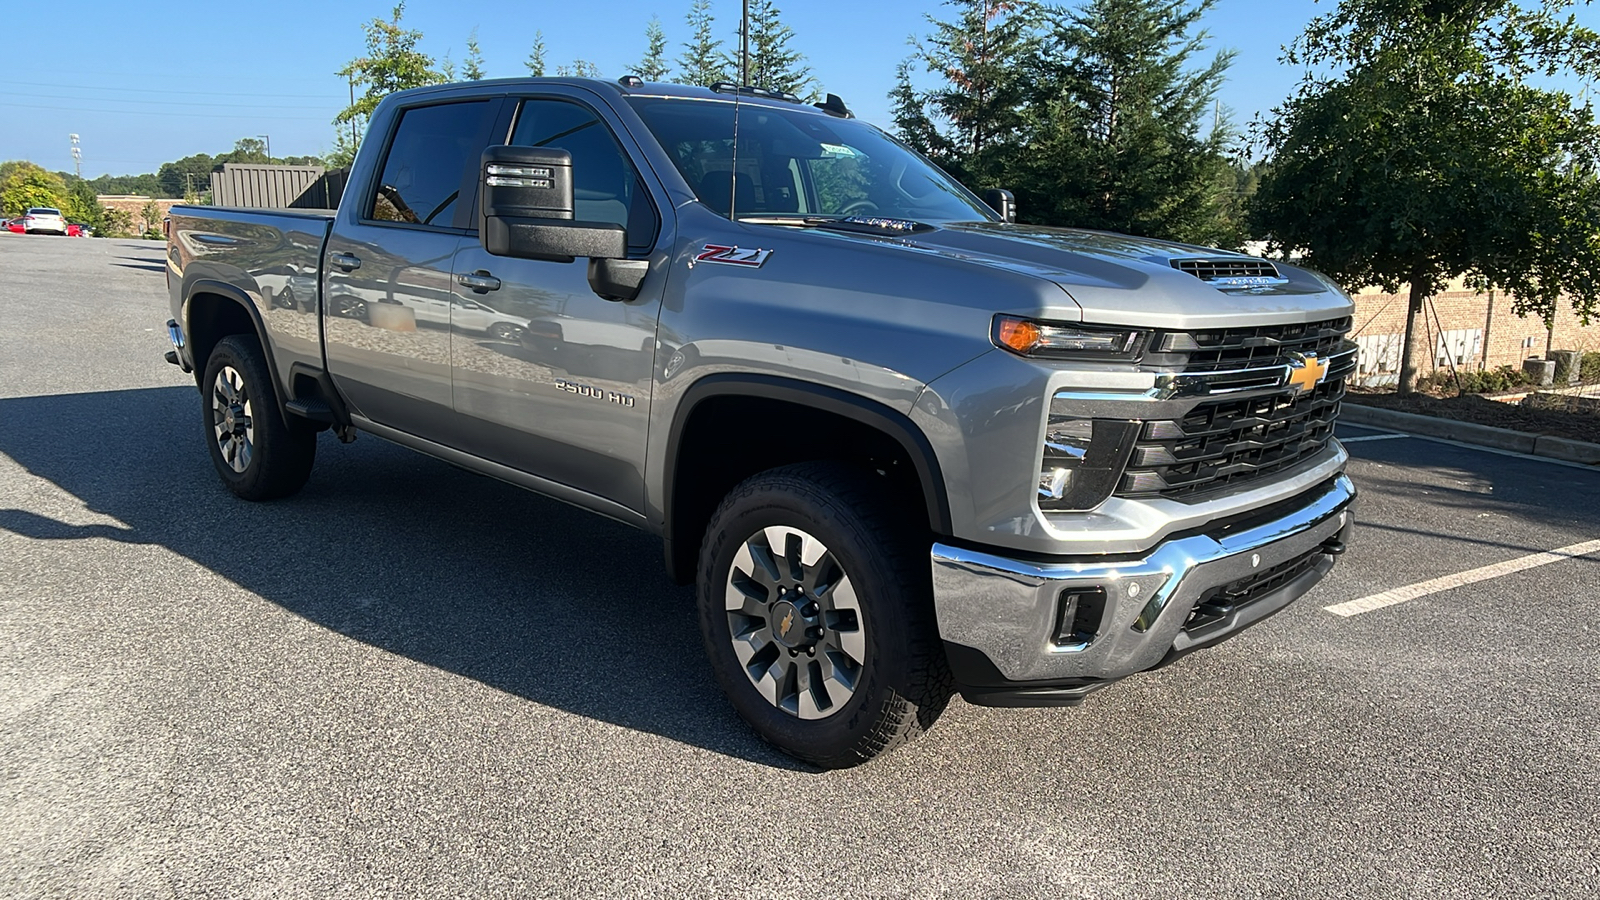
(605, 187)
(428, 163)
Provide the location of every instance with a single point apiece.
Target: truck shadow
(402, 552)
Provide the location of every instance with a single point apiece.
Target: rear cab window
(426, 167)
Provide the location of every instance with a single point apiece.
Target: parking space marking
(1461, 579)
(1373, 437)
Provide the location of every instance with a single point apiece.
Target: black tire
(270, 458)
(902, 684)
(506, 331)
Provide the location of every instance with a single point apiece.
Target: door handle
(480, 281)
(345, 261)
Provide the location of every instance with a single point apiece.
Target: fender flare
(831, 400)
(233, 293)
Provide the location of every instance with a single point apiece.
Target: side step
(314, 408)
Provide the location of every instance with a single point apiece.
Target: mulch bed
(1480, 411)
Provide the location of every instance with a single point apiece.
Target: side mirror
(525, 209)
(1002, 202)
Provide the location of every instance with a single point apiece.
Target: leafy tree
(246, 150)
(773, 65)
(152, 214)
(82, 205)
(702, 61)
(180, 177)
(535, 60)
(654, 65)
(472, 70)
(27, 185)
(392, 63)
(118, 222)
(980, 59)
(1119, 120)
(1426, 155)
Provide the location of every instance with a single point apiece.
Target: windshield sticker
(840, 151)
(731, 256)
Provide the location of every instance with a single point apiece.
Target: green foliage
(26, 185)
(151, 214)
(1125, 138)
(472, 69)
(580, 68)
(1426, 155)
(773, 65)
(1589, 369)
(702, 62)
(1096, 117)
(1487, 381)
(535, 60)
(83, 206)
(654, 67)
(392, 63)
(118, 223)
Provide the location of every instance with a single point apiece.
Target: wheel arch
(698, 471)
(214, 310)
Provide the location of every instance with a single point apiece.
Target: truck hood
(1122, 280)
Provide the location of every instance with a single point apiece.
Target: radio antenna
(744, 79)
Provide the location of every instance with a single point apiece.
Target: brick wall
(1479, 330)
(133, 205)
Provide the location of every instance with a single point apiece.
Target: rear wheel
(258, 455)
(815, 608)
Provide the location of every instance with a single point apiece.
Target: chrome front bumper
(1002, 619)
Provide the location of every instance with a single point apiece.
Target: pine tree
(702, 62)
(580, 68)
(1119, 124)
(654, 65)
(472, 70)
(772, 64)
(980, 60)
(447, 67)
(535, 60)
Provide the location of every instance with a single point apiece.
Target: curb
(1544, 445)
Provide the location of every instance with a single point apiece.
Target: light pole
(77, 157)
(268, 139)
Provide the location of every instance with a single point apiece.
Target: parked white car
(43, 219)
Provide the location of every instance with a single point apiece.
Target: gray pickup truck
(903, 445)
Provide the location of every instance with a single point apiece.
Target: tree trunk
(1408, 363)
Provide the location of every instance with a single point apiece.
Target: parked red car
(74, 229)
(14, 225)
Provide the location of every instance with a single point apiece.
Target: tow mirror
(525, 209)
(1002, 202)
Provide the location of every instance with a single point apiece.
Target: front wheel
(258, 455)
(815, 609)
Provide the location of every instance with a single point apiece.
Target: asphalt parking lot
(409, 681)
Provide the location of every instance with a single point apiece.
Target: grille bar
(1228, 440)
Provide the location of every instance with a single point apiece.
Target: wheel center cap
(231, 418)
(788, 626)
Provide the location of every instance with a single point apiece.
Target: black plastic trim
(981, 683)
(233, 293)
(831, 400)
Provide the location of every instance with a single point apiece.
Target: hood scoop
(1232, 273)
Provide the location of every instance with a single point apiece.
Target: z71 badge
(731, 256)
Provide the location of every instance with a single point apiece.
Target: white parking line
(1373, 437)
(1460, 579)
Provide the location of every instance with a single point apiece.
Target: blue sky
(150, 83)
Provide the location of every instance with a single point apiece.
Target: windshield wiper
(858, 224)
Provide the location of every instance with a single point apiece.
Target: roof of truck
(632, 86)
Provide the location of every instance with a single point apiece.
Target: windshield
(794, 163)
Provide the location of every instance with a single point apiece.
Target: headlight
(1027, 337)
(1082, 460)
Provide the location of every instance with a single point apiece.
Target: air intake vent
(1225, 271)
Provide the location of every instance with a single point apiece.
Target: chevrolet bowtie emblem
(1306, 371)
(786, 624)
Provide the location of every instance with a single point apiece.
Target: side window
(421, 182)
(605, 187)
